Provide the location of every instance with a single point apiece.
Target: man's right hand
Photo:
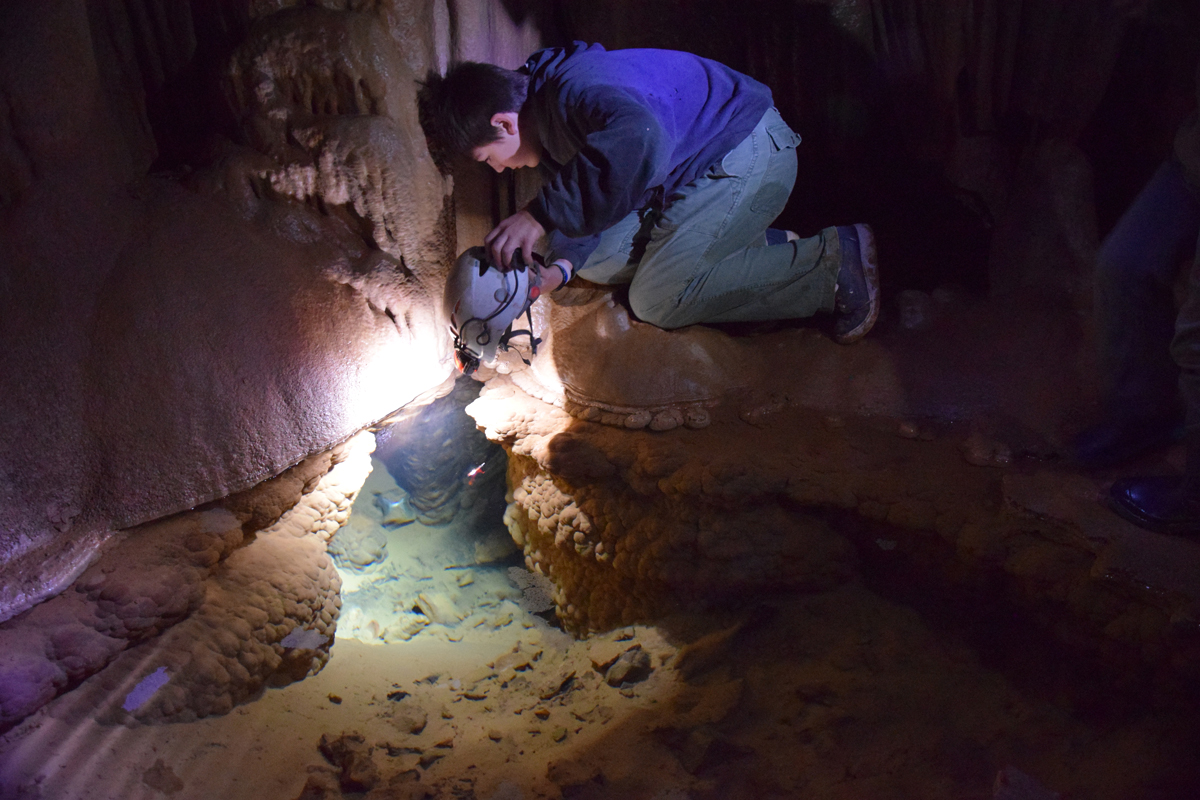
(518, 232)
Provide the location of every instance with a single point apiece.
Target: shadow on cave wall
(166, 58)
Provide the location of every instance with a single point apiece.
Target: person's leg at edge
(1171, 504)
(1134, 309)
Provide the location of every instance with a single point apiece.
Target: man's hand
(518, 232)
(551, 276)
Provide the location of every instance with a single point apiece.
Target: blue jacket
(623, 130)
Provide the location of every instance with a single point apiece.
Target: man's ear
(506, 121)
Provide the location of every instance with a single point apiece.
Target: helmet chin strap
(510, 333)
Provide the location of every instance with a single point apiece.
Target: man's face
(511, 150)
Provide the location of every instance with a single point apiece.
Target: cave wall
(222, 241)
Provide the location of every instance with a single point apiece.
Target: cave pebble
(162, 778)
(633, 666)
(352, 755)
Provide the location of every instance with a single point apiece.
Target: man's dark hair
(456, 110)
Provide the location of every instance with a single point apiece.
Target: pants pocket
(737, 162)
(782, 137)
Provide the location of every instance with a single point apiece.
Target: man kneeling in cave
(661, 170)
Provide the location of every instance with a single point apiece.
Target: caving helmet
(482, 302)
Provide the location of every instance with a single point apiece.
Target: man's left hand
(518, 232)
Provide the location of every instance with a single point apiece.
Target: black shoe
(1157, 504)
(1116, 441)
(856, 298)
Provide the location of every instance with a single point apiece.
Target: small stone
(542, 713)
(161, 778)
(516, 659)
(407, 776)
(405, 626)
(439, 608)
(335, 699)
(604, 653)
(394, 507)
(558, 734)
(632, 667)
(478, 675)
(560, 687)
(320, 786)
(352, 756)
(410, 718)
(494, 734)
(395, 750)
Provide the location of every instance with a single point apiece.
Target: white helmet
(482, 302)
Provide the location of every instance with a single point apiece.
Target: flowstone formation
(191, 615)
(857, 459)
(329, 96)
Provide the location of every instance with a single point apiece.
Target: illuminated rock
(878, 452)
(214, 614)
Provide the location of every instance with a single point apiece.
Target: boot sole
(870, 263)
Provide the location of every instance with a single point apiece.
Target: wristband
(565, 275)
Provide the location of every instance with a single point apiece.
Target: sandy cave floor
(842, 694)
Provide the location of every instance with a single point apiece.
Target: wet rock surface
(432, 580)
(192, 615)
(440, 463)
